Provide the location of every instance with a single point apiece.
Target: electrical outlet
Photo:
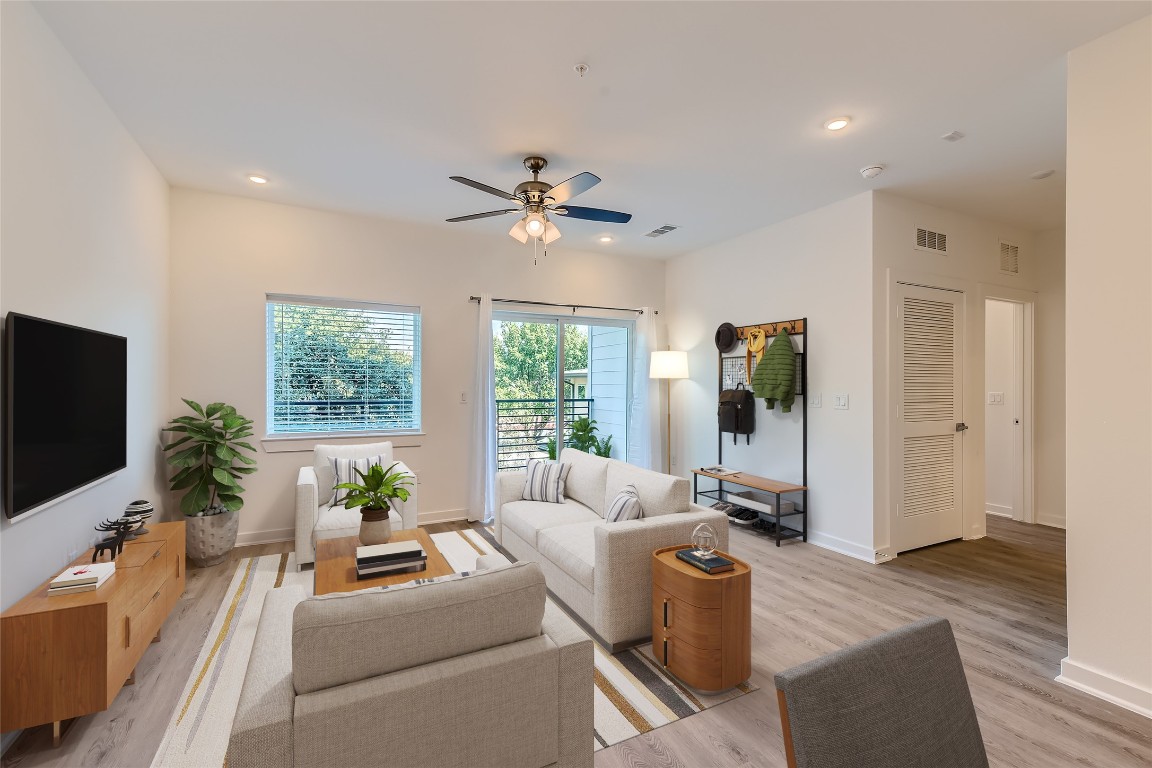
(814, 400)
(463, 397)
(840, 402)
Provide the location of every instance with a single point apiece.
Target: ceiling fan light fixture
(551, 233)
(534, 224)
(519, 231)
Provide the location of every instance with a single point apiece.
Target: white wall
(817, 265)
(972, 265)
(999, 406)
(1109, 376)
(83, 240)
(228, 252)
(1048, 427)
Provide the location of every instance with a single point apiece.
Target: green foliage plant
(210, 445)
(582, 437)
(377, 489)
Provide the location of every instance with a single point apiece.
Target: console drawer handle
(156, 554)
(156, 595)
(665, 653)
(665, 613)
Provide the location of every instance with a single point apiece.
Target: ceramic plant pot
(375, 526)
(210, 538)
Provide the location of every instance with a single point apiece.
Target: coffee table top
(336, 563)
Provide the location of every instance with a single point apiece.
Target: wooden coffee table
(336, 563)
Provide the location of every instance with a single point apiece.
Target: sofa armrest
(576, 696)
(509, 488)
(307, 503)
(262, 729)
(409, 510)
(622, 600)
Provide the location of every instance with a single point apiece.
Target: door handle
(961, 426)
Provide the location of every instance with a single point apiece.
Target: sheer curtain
(645, 397)
(482, 471)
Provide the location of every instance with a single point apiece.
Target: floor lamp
(668, 365)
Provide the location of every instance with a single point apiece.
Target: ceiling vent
(662, 230)
(1009, 258)
(927, 240)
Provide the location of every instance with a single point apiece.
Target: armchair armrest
(622, 600)
(576, 696)
(409, 510)
(262, 730)
(307, 503)
(509, 488)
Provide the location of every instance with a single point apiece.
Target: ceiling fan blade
(566, 190)
(593, 214)
(470, 217)
(485, 188)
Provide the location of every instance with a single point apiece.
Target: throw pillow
(545, 481)
(626, 506)
(345, 474)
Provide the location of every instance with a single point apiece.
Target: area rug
(633, 694)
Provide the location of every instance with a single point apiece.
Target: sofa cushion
(339, 639)
(526, 518)
(660, 494)
(587, 478)
(572, 549)
(322, 455)
(544, 481)
(334, 522)
(626, 506)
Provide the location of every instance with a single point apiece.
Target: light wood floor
(1004, 596)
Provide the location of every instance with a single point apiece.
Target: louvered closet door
(929, 460)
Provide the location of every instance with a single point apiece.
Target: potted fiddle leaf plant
(375, 496)
(209, 460)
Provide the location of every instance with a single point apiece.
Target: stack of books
(390, 559)
(81, 578)
(707, 563)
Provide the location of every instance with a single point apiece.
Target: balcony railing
(524, 426)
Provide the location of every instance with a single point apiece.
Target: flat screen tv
(66, 410)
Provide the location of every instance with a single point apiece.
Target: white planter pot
(376, 527)
(210, 539)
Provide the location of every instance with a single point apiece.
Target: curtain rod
(551, 304)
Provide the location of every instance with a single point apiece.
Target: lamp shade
(668, 365)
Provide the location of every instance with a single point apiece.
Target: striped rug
(633, 694)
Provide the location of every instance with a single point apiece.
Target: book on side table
(706, 563)
(391, 558)
(81, 578)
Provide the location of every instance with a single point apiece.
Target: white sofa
(316, 519)
(601, 571)
(466, 672)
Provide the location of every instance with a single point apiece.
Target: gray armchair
(470, 671)
(898, 700)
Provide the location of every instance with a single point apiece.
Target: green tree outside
(524, 357)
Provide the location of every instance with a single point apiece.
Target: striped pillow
(345, 474)
(626, 506)
(545, 481)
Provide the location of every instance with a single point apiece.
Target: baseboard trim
(1104, 686)
(999, 510)
(442, 516)
(1052, 521)
(844, 547)
(265, 537)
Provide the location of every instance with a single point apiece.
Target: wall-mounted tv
(66, 410)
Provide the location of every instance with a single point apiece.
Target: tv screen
(67, 410)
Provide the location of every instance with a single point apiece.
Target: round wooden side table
(701, 622)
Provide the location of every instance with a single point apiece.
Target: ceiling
(705, 115)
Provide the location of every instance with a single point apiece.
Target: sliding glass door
(555, 375)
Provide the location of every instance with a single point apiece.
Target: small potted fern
(375, 496)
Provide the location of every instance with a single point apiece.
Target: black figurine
(114, 544)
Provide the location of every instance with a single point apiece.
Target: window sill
(303, 443)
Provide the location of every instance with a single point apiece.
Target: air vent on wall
(1009, 258)
(927, 240)
(662, 230)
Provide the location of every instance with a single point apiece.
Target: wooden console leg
(157, 638)
(59, 728)
(131, 678)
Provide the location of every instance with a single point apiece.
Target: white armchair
(317, 519)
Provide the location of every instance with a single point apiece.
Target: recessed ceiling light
(255, 179)
(606, 238)
(1042, 174)
(837, 123)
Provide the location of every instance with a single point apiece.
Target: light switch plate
(840, 402)
(814, 400)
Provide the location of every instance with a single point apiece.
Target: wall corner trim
(1103, 686)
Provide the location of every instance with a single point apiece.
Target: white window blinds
(342, 366)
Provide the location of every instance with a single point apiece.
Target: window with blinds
(342, 366)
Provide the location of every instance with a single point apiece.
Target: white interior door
(929, 416)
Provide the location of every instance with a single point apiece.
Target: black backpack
(737, 412)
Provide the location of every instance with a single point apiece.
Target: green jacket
(775, 376)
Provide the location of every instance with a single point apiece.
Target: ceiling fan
(537, 200)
